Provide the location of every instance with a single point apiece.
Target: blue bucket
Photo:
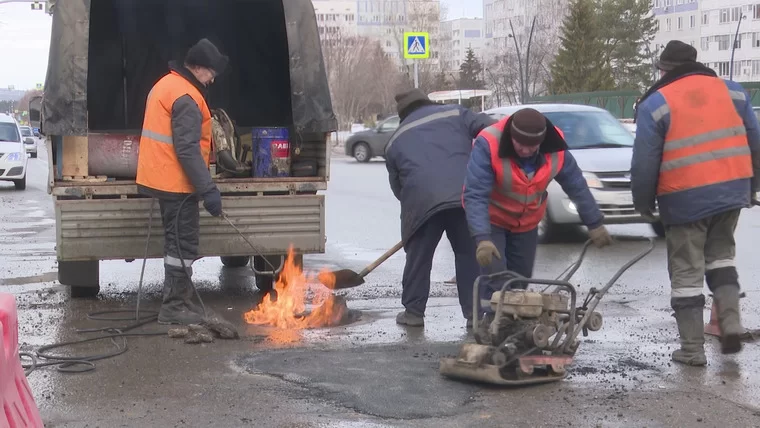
(271, 152)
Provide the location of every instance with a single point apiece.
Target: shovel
(347, 278)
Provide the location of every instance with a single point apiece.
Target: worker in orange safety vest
(173, 166)
(509, 171)
(696, 152)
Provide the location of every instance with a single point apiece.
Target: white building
(498, 14)
(457, 36)
(387, 20)
(711, 26)
(336, 16)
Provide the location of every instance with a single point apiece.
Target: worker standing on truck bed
(426, 160)
(511, 166)
(173, 165)
(697, 148)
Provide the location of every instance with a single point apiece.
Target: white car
(30, 141)
(603, 149)
(13, 158)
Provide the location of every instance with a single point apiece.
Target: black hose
(82, 364)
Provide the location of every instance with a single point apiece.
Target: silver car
(603, 149)
(30, 141)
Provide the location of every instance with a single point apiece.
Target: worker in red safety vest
(511, 166)
(697, 154)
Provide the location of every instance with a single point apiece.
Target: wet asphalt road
(371, 373)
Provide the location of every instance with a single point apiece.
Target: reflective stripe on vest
(706, 142)
(158, 166)
(517, 202)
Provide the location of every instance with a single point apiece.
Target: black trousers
(420, 249)
(189, 232)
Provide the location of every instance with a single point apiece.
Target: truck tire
(235, 261)
(82, 277)
(266, 282)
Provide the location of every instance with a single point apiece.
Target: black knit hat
(406, 99)
(205, 54)
(528, 127)
(676, 53)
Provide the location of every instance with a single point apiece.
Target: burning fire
(289, 309)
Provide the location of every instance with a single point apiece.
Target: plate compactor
(531, 336)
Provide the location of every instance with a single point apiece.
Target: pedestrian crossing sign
(416, 45)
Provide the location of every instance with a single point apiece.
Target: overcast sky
(25, 40)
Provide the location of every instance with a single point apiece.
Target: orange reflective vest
(706, 142)
(518, 203)
(157, 165)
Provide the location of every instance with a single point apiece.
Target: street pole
(519, 62)
(733, 48)
(416, 74)
(527, 58)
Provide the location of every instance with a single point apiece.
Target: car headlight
(14, 157)
(592, 180)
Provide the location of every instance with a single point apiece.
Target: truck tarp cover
(105, 56)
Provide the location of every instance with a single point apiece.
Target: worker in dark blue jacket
(426, 160)
(511, 166)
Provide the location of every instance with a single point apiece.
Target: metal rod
(527, 59)
(416, 74)
(519, 62)
(733, 48)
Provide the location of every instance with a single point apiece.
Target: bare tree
(523, 60)
(362, 78)
(421, 16)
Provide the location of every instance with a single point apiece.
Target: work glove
(600, 237)
(212, 202)
(486, 252)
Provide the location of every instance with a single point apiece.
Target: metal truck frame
(104, 218)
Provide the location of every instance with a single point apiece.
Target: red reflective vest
(518, 203)
(706, 142)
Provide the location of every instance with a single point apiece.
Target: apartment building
(336, 17)
(457, 36)
(498, 14)
(387, 20)
(711, 26)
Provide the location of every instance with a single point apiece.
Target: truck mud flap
(112, 229)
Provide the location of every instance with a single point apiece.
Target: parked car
(13, 158)
(365, 145)
(30, 141)
(603, 149)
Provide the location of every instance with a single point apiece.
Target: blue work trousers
(518, 254)
(420, 249)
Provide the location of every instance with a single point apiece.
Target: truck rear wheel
(82, 277)
(266, 282)
(235, 261)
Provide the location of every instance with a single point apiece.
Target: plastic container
(271, 152)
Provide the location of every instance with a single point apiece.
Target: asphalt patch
(390, 382)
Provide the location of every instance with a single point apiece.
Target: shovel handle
(381, 259)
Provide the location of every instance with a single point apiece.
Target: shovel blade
(341, 279)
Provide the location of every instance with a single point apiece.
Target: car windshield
(591, 129)
(8, 132)
(26, 132)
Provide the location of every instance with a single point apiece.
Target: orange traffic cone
(712, 328)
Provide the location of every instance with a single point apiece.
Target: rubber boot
(689, 316)
(729, 319)
(177, 307)
(409, 319)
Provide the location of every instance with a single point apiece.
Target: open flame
(290, 309)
